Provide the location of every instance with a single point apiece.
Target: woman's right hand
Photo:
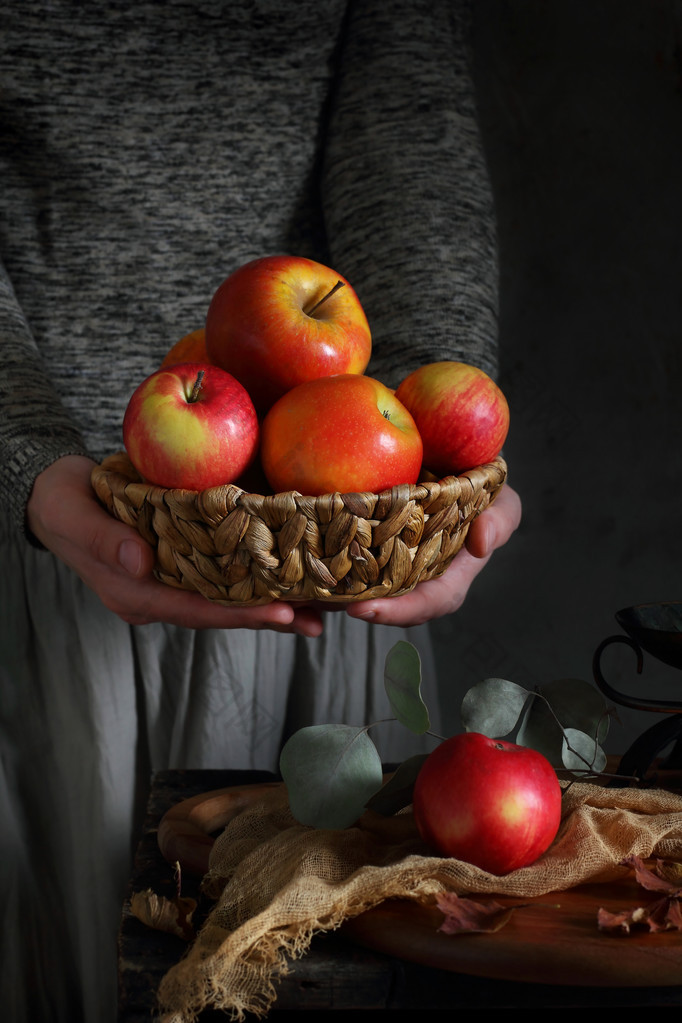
(64, 514)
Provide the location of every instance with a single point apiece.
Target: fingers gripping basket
(245, 549)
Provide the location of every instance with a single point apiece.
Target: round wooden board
(552, 939)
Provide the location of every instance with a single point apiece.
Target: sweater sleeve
(36, 428)
(406, 195)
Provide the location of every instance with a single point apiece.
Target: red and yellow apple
(344, 433)
(487, 802)
(460, 412)
(191, 426)
(190, 348)
(281, 320)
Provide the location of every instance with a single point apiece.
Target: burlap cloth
(277, 883)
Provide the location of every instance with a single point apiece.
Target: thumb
(494, 527)
(118, 545)
(135, 557)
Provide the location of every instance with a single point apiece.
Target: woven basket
(244, 549)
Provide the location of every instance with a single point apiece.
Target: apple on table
(488, 802)
(278, 321)
(191, 426)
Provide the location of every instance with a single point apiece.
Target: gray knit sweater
(150, 148)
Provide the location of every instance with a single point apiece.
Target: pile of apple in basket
(272, 397)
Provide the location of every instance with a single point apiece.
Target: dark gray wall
(581, 105)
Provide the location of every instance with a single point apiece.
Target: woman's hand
(446, 594)
(116, 563)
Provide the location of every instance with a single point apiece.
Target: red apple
(487, 802)
(190, 348)
(460, 412)
(182, 429)
(278, 321)
(341, 433)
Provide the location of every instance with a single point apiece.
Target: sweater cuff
(19, 473)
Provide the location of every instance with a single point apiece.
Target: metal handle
(658, 706)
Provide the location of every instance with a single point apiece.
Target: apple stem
(194, 396)
(337, 287)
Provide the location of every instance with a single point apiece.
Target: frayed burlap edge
(238, 972)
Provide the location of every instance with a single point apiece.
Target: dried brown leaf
(665, 914)
(661, 916)
(466, 916)
(615, 922)
(653, 881)
(670, 871)
(674, 915)
(173, 916)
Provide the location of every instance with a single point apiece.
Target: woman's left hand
(446, 594)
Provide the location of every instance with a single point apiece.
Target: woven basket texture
(243, 549)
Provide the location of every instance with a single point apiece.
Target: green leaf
(402, 680)
(493, 707)
(540, 731)
(584, 753)
(576, 705)
(397, 792)
(330, 772)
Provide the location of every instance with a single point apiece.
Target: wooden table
(336, 973)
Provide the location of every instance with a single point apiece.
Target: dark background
(581, 107)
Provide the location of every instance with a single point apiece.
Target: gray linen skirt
(89, 708)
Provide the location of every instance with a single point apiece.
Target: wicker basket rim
(115, 463)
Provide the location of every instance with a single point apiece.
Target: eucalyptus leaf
(575, 704)
(578, 704)
(583, 754)
(493, 707)
(397, 792)
(330, 772)
(402, 681)
(540, 730)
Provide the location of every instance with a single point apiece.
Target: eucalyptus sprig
(333, 772)
(566, 720)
